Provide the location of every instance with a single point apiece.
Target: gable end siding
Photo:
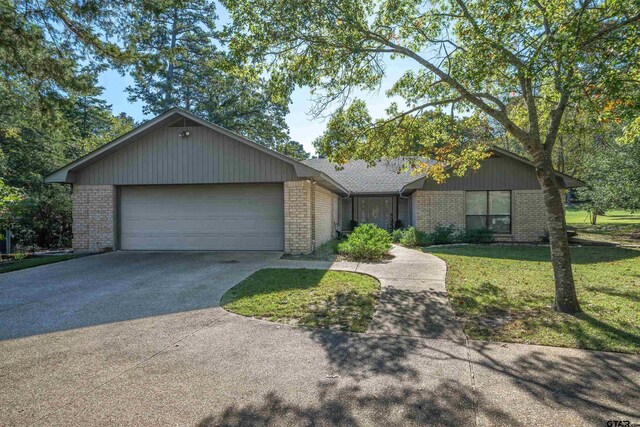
(205, 157)
(495, 173)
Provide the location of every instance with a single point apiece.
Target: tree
(50, 107)
(468, 55)
(293, 149)
(613, 178)
(183, 63)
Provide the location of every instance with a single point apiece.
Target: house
(178, 182)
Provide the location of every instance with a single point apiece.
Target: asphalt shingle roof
(357, 177)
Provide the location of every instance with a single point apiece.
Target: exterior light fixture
(185, 133)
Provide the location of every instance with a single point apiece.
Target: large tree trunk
(566, 300)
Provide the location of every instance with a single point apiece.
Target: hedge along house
(178, 182)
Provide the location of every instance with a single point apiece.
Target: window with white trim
(489, 209)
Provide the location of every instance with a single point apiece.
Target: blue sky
(303, 128)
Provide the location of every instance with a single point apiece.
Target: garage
(202, 217)
(178, 182)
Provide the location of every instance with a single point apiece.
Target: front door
(375, 210)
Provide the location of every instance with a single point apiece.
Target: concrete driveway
(118, 286)
(138, 339)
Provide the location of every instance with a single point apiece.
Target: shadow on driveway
(500, 385)
(118, 286)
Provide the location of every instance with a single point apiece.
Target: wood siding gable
(495, 173)
(204, 157)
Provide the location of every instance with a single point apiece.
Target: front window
(489, 209)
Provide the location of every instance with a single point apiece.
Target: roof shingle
(357, 177)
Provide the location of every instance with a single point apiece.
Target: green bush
(396, 236)
(19, 256)
(366, 242)
(443, 234)
(480, 235)
(410, 237)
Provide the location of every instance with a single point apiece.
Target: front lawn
(33, 262)
(614, 226)
(504, 293)
(313, 298)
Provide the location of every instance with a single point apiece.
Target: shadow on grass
(335, 299)
(588, 340)
(584, 255)
(633, 297)
(270, 280)
(485, 312)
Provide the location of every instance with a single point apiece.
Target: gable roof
(386, 176)
(358, 177)
(66, 173)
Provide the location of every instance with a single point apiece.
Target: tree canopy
(183, 62)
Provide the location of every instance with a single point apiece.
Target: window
(489, 209)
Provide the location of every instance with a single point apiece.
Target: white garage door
(202, 217)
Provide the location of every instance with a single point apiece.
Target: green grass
(504, 293)
(33, 262)
(614, 226)
(312, 298)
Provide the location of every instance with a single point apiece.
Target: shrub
(443, 234)
(366, 242)
(480, 235)
(18, 256)
(396, 236)
(409, 237)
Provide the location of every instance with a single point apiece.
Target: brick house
(178, 182)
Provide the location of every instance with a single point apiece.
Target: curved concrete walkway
(414, 299)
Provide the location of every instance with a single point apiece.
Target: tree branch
(611, 28)
(499, 115)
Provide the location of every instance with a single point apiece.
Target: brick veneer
(309, 216)
(297, 217)
(93, 213)
(447, 207)
(438, 207)
(323, 222)
(529, 216)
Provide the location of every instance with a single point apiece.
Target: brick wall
(431, 208)
(298, 217)
(529, 218)
(323, 218)
(528, 215)
(310, 213)
(94, 208)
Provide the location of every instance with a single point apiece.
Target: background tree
(613, 177)
(293, 149)
(468, 55)
(183, 63)
(50, 107)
